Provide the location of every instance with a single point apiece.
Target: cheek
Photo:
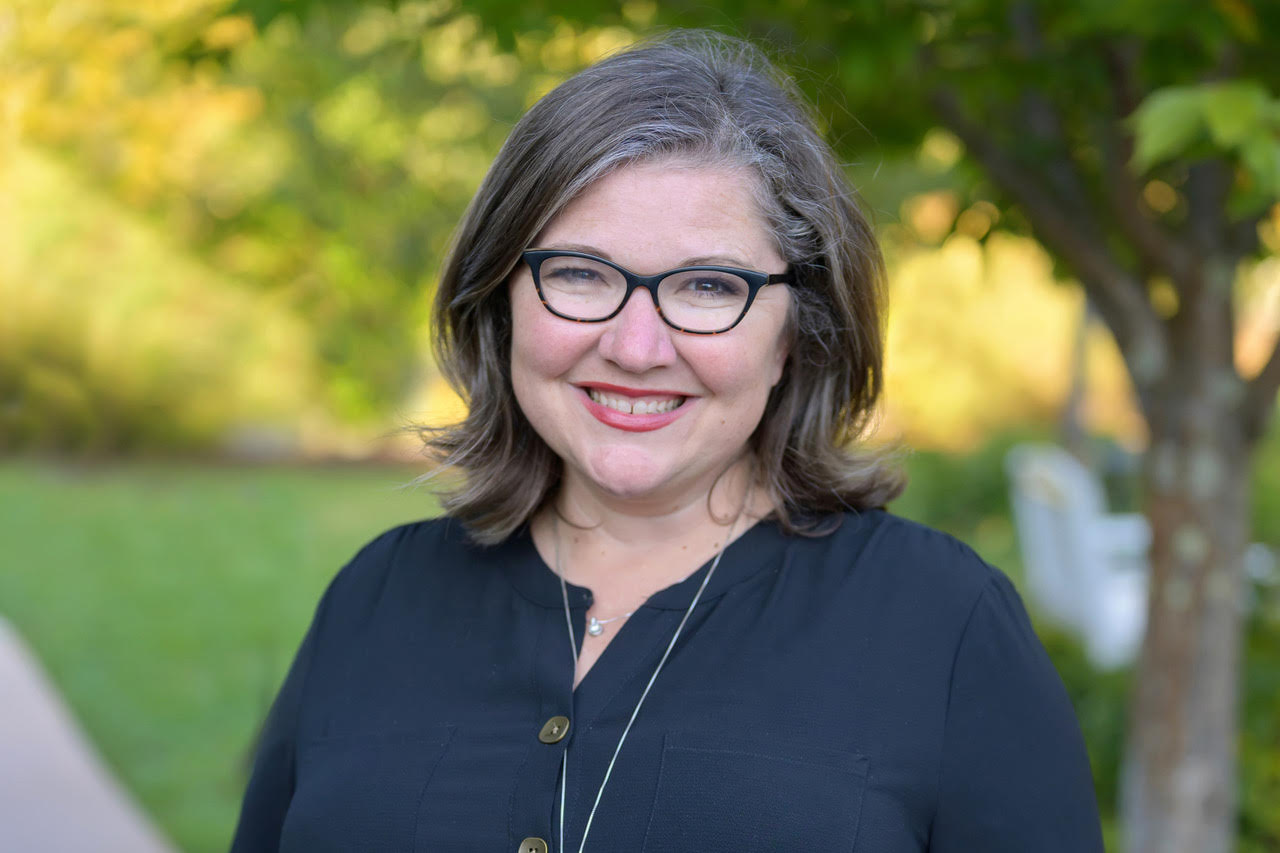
(744, 368)
(738, 378)
(543, 347)
(745, 365)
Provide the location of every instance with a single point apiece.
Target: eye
(714, 284)
(575, 274)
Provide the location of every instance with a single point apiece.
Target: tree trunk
(1179, 786)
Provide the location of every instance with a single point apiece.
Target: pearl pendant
(594, 627)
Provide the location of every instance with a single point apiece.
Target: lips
(632, 409)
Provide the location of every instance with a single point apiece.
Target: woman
(664, 611)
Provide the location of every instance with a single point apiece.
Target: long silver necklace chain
(573, 645)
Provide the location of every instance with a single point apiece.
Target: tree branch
(1043, 119)
(1260, 397)
(1118, 296)
(1208, 182)
(1207, 311)
(1121, 58)
(1242, 235)
(1157, 247)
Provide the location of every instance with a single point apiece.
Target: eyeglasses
(700, 300)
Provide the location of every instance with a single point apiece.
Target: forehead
(659, 214)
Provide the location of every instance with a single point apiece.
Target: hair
(705, 99)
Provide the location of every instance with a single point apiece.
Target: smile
(641, 406)
(634, 409)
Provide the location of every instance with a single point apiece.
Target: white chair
(1086, 569)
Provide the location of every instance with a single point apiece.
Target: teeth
(638, 407)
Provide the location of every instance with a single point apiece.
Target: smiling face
(637, 410)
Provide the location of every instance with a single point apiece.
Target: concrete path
(56, 795)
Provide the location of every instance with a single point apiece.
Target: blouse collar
(760, 546)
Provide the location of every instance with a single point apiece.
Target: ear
(779, 363)
(782, 349)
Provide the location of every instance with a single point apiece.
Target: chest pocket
(722, 794)
(361, 793)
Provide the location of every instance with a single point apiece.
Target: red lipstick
(626, 421)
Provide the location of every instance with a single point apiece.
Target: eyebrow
(700, 260)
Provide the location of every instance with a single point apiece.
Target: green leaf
(1260, 154)
(1234, 111)
(1166, 124)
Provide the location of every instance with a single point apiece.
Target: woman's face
(576, 381)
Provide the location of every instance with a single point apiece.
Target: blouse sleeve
(1014, 773)
(266, 800)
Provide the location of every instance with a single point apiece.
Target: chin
(629, 475)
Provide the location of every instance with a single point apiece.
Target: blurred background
(220, 227)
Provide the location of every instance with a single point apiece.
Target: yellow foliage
(1258, 314)
(451, 119)
(445, 48)
(458, 50)
(977, 220)
(1109, 407)
(640, 12)
(436, 404)
(90, 75)
(99, 306)
(566, 50)
(355, 117)
(433, 165)
(980, 338)
(539, 86)
(931, 215)
(561, 54)
(229, 32)
(939, 150)
(1163, 296)
(1269, 230)
(374, 28)
(595, 44)
(1159, 196)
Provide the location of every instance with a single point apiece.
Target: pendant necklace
(573, 646)
(595, 627)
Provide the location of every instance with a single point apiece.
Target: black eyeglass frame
(754, 279)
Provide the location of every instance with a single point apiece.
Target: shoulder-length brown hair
(713, 100)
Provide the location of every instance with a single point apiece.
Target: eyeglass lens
(698, 300)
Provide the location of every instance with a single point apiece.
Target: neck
(634, 548)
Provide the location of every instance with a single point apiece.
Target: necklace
(595, 627)
(573, 646)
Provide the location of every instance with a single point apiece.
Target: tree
(1139, 142)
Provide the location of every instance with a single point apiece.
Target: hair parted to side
(706, 99)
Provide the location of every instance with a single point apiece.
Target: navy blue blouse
(875, 690)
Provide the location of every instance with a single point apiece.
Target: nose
(637, 339)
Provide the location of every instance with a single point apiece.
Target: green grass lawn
(167, 600)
